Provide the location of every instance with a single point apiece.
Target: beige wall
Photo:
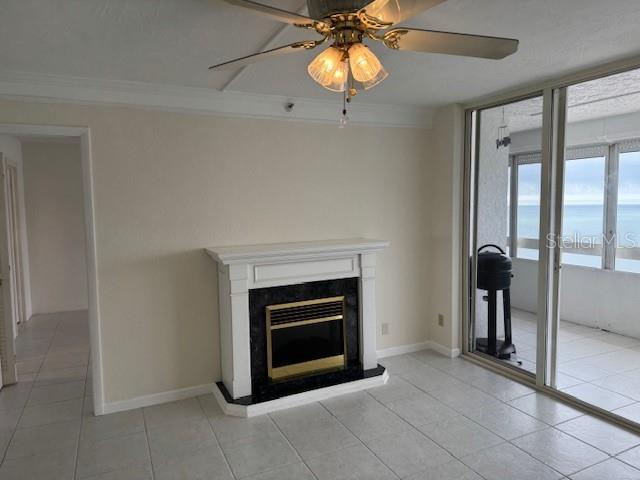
(11, 148)
(169, 184)
(446, 226)
(55, 226)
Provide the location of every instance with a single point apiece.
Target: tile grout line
(625, 451)
(457, 413)
(499, 400)
(454, 457)
(361, 441)
(624, 461)
(215, 435)
(482, 426)
(459, 458)
(527, 454)
(510, 441)
(525, 413)
(4, 455)
(294, 448)
(634, 401)
(587, 443)
(84, 398)
(472, 420)
(462, 414)
(591, 466)
(57, 401)
(146, 436)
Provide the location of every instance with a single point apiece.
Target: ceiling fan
(348, 64)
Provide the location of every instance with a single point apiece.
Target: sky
(629, 184)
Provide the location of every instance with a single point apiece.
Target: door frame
(17, 243)
(84, 135)
(8, 372)
(470, 247)
(553, 149)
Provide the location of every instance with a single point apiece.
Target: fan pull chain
(344, 119)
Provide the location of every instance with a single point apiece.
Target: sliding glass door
(552, 242)
(506, 233)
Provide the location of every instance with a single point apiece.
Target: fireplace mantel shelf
(256, 253)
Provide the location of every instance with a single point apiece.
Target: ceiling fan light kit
(348, 64)
(330, 69)
(365, 66)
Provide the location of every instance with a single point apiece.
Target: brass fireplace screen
(306, 337)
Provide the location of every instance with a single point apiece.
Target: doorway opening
(49, 347)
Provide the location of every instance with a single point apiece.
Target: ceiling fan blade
(448, 43)
(274, 52)
(274, 13)
(394, 11)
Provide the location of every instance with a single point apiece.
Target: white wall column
(240, 339)
(368, 324)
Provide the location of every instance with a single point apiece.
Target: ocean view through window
(628, 215)
(584, 211)
(528, 225)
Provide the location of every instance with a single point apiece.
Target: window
(590, 207)
(583, 211)
(528, 225)
(628, 213)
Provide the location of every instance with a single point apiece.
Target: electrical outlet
(385, 329)
(441, 320)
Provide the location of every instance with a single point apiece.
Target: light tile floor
(436, 419)
(596, 366)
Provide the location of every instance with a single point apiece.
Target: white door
(7, 325)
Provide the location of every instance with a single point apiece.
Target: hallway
(43, 412)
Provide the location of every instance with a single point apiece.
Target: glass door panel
(507, 186)
(598, 336)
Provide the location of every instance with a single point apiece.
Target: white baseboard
(402, 349)
(294, 400)
(417, 347)
(442, 350)
(297, 399)
(157, 398)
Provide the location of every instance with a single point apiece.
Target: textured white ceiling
(604, 97)
(174, 41)
(614, 95)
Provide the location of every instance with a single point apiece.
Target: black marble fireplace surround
(260, 298)
(262, 388)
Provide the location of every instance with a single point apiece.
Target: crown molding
(47, 88)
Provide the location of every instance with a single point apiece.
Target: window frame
(626, 146)
(515, 161)
(611, 153)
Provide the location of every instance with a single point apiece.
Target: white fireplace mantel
(242, 268)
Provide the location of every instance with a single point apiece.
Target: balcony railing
(622, 252)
